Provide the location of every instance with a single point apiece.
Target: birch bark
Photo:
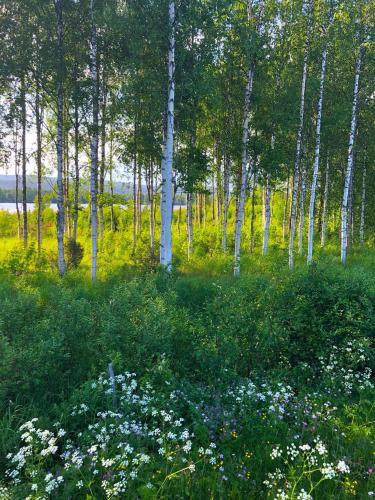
(167, 160)
(363, 207)
(255, 180)
(303, 176)
(225, 202)
(310, 242)
(94, 143)
(16, 172)
(293, 210)
(76, 168)
(38, 165)
(60, 140)
(244, 171)
(24, 187)
(349, 169)
(267, 214)
(189, 220)
(325, 206)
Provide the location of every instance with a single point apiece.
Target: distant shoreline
(11, 207)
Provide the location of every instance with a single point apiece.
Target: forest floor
(257, 387)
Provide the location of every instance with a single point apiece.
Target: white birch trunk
(293, 211)
(302, 207)
(134, 198)
(325, 206)
(76, 166)
(94, 145)
(167, 160)
(16, 172)
(244, 171)
(39, 165)
(349, 169)
(24, 187)
(225, 203)
(113, 221)
(59, 142)
(310, 243)
(267, 214)
(363, 207)
(189, 221)
(252, 221)
(286, 205)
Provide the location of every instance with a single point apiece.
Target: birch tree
(38, 121)
(363, 205)
(267, 213)
(167, 160)
(310, 242)
(94, 143)
(349, 168)
(244, 146)
(293, 210)
(226, 195)
(23, 156)
(325, 205)
(59, 140)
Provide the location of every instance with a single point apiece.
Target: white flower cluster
(305, 459)
(345, 366)
(37, 441)
(118, 448)
(4, 493)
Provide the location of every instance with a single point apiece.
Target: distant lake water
(11, 207)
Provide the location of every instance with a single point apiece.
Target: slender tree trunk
(139, 199)
(325, 206)
(363, 207)
(67, 179)
(24, 173)
(200, 209)
(349, 169)
(244, 171)
(310, 243)
(60, 140)
(189, 220)
(152, 225)
(349, 233)
(94, 143)
(39, 165)
(134, 202)
(219, 190)
(213, 197)
(255, 179)
(16, 172)
(103, 160)
(179, 217)
(267, 214)
(76, 168)
(204, 196)
(225, 203)
(285, 218)
(167, 160)
(113, 221)
(293, 211)
(302, 207)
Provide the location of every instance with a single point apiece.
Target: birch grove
(136, 151)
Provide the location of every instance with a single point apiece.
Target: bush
(74, 253)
